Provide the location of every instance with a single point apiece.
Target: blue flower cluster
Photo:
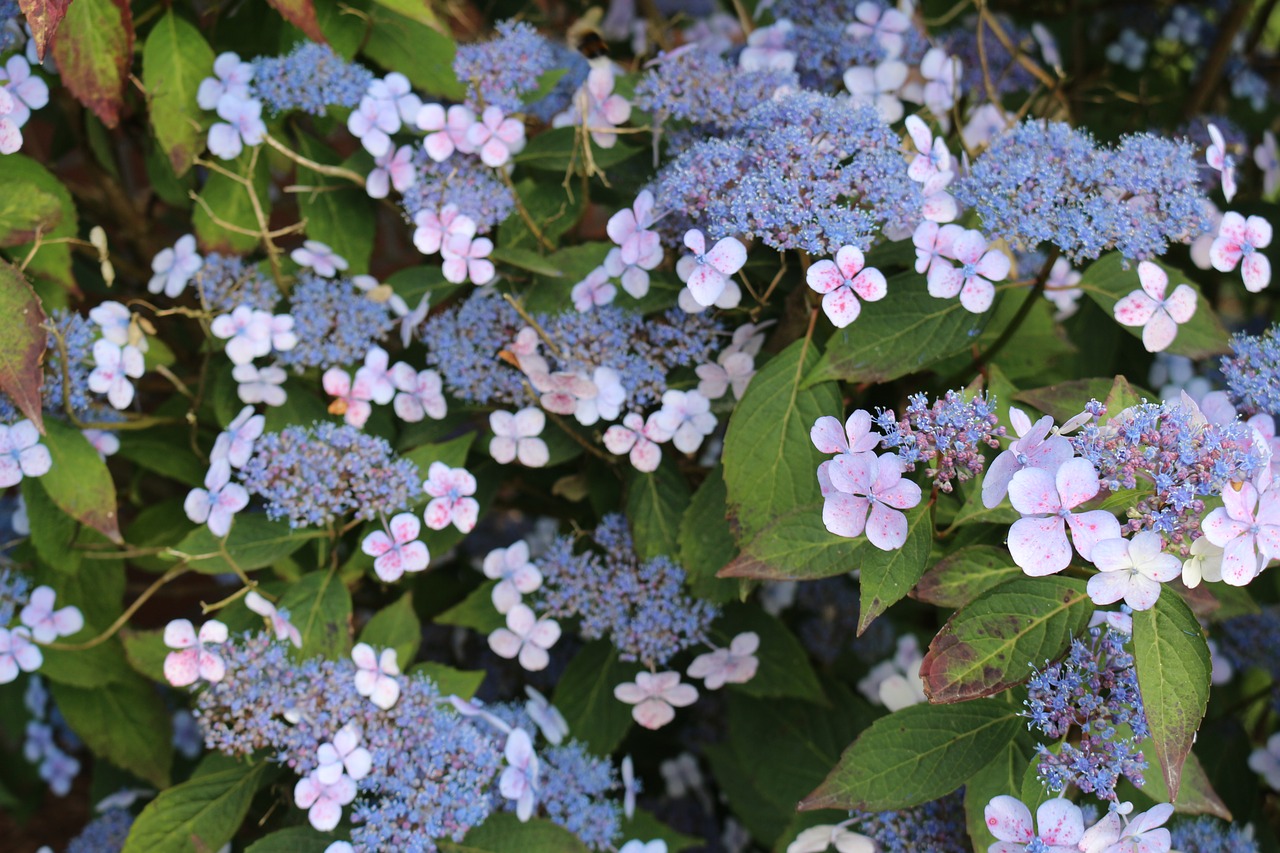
(705, 91)
(78, 333)
(1006, 74)
(310, 78)
(11, 35)
(499, 72)
(315, 475)
(226, 281)
(14, 591)
(462, 180)
(1046, 181)
(641, 606)
(1094, 688)
(934, 827)
(1206, 835)
(1252, 372)
(463, 343)
(822, 47)
(336, 323)
(948, 435)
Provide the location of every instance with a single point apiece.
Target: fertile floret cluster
(948, 435)
(311, 78)
(1252, 372)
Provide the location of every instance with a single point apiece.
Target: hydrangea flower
(451, 502)
(595, 289)
(247, 332)
(1061, 826)
(854, 437)
(235, 443)
(842, 281)
(885, 25)
(324, 802)
(597, 107)
(434, 228)
(10, 131)
(376, 675)
(374, 120)
(17, 654)
(113, 319)
(352, 398)
(446, 130)
(766, 49)
(515, 575)
(868, 494)
(817, 839)
(420, 394)
(879, 87)
(28, 91)
(280, 624)
(1220, 161)
(319, 257)
(707, 273)
(1038, 540)
(174, 267)
(114, 366)
(516, 436)
(1159, 316)
(374, 377)
(241, 125)
(731, 369)
(230, 78)
(1267, 158)
(1142, 834)
(467, 258)
(343, 754)
(685, 418)
(393, 169)
(219, 501)
(635, 845)
(22, 454)
(933, 242)
(1265, 761)
(655, 696)
(1034, 448)
(980, 266)
(629, 229)
(1204, 563)
(260, 384)
(734, 665)
(495, 137)
(47, 624)
(526, 637)
(1238, 242)
(549, 720)
(931, 166)
(397, 549)
(1132, 569)
(191, 660)
(1247, 528)
(639, 439)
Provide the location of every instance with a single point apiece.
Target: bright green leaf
(655, 504)
(175, 59)
(476, 611)
(295, 839)
(78, 481)
(254, 542)
(706, 542)
(887, 576)
(963, 575)
(125, 722)
(395, 626)
(199, 815)
(585, 697)
(503, 832)
(416, 50)
(53, 260)
(320, 607)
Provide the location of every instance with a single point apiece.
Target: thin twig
(1216, 62)
(524, 213)
(124, 617)
(320, 168)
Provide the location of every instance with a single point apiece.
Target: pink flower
(637, 438)
(421, 394)
(47, 624)
(519, 779)
(607, 401)
(1132, 569)
(515, 436)
(597, 107)
(446, 130)
(526, 637)
(373, 120)
(235, 443)
(1247, 528)
(495, 137)
(1061, 825)
(374, 377)
(319, 257)
(878, 87)
(434, 228)
(10, 131)
(855, 437)
(732, 368)
(972, 280)
(467, 258)
(114, 367)
(1148, 307)
(219, 501)
(17, 653)
(593, 290)
(352, 400)
(1038, 540)
(515, 575)
(343, 755)
(932, 165)
(451, 501)
(685, 418)
(629, 229)
(324, 802)
(376, 675)
(1144, 833)
(395, 87)
(655, 697)
(193, 661)
(734, 665)
(1034, 448)
(885, 25)
(22, 454)
(280, 624)
(246, 331)
(397, 549)
(842, 281)
(868, 494)
(1241, 238)
(1220, 161)
(393, 169)
(104, 442)
(707, 273)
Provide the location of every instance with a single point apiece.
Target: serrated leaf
(395, 626)
(989, 645)
(887, 576)
(655, 504)
(417, 51)
(462, 683)
(1003, 775)
(320, 607)
(784, 669)
(503, 832)
(78, 480)
(198, 815)
(1172, 662)
(585, 697)
(916, 755)
(125, 722)
(295, 839)
(302, 14)
(905, 332)
(1106, 281)
(476, 611)
(22, 346)
(24, 210)
(94, 50)
(175, 59)
(963, 575)
(706, 542)
(254, 542)
(43, 16)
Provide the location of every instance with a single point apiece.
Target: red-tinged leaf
(302, 14)
(22, 345)
(94, 50)
(43, 16)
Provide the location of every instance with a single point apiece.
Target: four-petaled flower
(1220, 161)
(685, 419)
(516, 436)
(174, 267)
(246, 331)
(393, 169)
(854, 437)
(1143, 834)
(1247, 529)
(1034, 448)
(451, 501)
(597, 107)
(980, 266)
(1061, 825)
(1159, 316)
(868, 493)
(260, 384)
(398, 549)
(325, 262)
(219, 500)
(22, 454)
(114, 367)
(595, 289)
(280, 624)
(818, 839)
(1267, 158)
(235, 443)
(374, 377)
(732, 369)
(434, 228)
(549, 720)
(446, 130)
(47, 624)
(638, 247)
(467, 258)
(655, 696)
(352, 398)
(376, 675)
(519, 779)
(526, 637)
(734, 665)
(878, 87)
(192, 660)
(931, 167)
(343, 754)
(495, 137)
(1038, 540)
(241, 125)
(1239, 238)
(231, 76)
(638, 438)
(1132, 569)
(420, 394)
(842, 281)
(17, 654)
(515, 575)
(707, 273)
(324, 802)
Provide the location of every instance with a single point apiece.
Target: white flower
(734, 665)
(260, 384)
(732, 369)
(319, 257)
(191, 660)
(115, 366)
(878, 87)
(597, 107)
(219, 500)
(549, 721)
(104, 442)
(708, 272)
(637, 846)
(22, 454)
(519, 779)
(47, 624)
(283, 628)
(231, 77)
(174, 267)
(113, 318)
(515, 436)
(246, 331)
(374, 377)
(1205, 563)
(446, 130)
(420, 394)
(343, 755)
(17, 654)
(516, 576)
(235, 443)
(376, 675)
(655, 697)
(1264, 762)
(324, 802)
(607, 402)
(1132, 569)
(816, 839)
(526, 637)
(241, 125)
(1158, 315)
(639, 438)
(685, 419)
(397, 549)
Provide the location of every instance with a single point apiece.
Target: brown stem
(124, 617)
(1216, 62)
(320, 168)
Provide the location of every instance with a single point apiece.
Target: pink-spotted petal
(886, 528)
(1159, 332)
(1154, 280)
(841, 307)
(727, 256)
(1181, 304)
(1256, 270)
(870, 284)
(844, 514)
(1009, 820)
(1033, 491)
(1090, 528)
(1060, 821)
(1135, 309)
(1039, 545)
(824, 276)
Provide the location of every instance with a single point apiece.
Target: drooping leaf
(887, 576)
(503, 832)
(395, 626)
(916, 755)
(254, 542)
(124, 721)
(585, 697)
(200, 814)
(175, 59)
(302, 14)
(78, 480)
(965, 574)
(22, 346)
(43, 16)
(1172, 661)
(320, 607)
(988, 645)
(655, 504)
(94, 50)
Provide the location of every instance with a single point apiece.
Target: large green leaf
(706, 542)
(320, 607)
(1003, 775)
(79, 481)
(476, 611)
(905, 332)
(22, 346)
(53, 532)
(201, 814)
(655, 504)
(966, 573)
(24, 210)
(795, 546)
(585, 697)
(228, 201)
(124, 721)
(254, 542)
(53, 260)
(784, 668)
(416, 50)
(1172, 662)
(1196, 795)
(94, 50)
(504, 833)
(887, 576)
(990, 644)
(175, 59)
(395, 626)
(338, 214)
(916, 755)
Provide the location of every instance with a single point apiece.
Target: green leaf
(645, 826)
(916, 755)
(146, 651)
(417, 10)
(94, 50)
(462, 683)
(395, 626)
(1172, 662)
(1066, 399)
(554, 211)
(22, 346)
(415, 50)
(88, 668)
(125, 722)
(163, 452)
(965, 574)
(24, 210)
(784, 668)
(585, 697)
(795, 546)
(559, 150)
(230, 202)
(78, 481)
(887, 576)
(1003, 775)
(175, 59)
(1107, 281)
(320, 607)
(53, 260)
(655, 505)
(989, 645)
(337, 213)
(295, 839)
(503, 832)
(254, 542)
(770, 463)
(905, 332)
(201, 814)
(1196, 795)
(476, 611)
(53, 532)
(706, 542)
(525, 260)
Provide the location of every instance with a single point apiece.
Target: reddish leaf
(94, 50)
(23, 343)
(43, 16)
(302, 14)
